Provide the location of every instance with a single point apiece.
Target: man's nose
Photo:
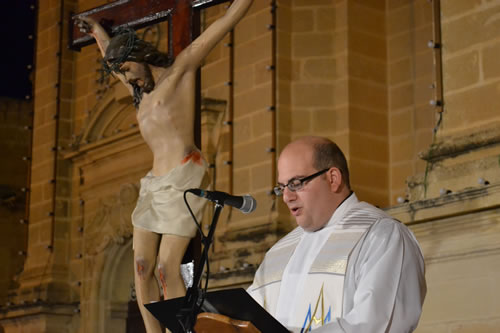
(288, 195)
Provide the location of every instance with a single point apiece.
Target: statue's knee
(162, 273)
(141, 267)
(167, 272)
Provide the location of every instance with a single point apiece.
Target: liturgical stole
(321, 296)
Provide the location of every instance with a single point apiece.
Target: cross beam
(138, 14)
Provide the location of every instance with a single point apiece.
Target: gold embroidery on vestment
(313, 316)
(334, 266)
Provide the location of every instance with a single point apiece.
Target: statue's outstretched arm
(193, 55)
(93, 28)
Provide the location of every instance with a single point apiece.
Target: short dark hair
(327, 154)
(126, 46)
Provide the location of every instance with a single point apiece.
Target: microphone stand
(193, 301)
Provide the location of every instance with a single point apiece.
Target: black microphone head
(249, 204)
(196, 191)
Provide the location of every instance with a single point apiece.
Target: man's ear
(335, 179)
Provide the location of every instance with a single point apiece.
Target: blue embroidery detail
(328, 317)
(308, 319)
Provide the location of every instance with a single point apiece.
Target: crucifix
(166, 92)
(183, 26)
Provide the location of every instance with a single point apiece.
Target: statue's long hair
(126, 46)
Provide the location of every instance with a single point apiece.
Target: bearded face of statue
(139, 76)
(130, 56)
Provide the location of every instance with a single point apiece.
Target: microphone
(246, 203)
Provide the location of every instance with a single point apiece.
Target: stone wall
(453, 207)
(356, 71)
(15, 143)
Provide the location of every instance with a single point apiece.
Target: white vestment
(363, 272)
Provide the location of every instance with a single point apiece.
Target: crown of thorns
(126, 38)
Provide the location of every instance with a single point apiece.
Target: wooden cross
(182, 16)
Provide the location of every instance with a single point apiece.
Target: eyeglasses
(297, 184)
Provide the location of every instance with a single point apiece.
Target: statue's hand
(86, 24)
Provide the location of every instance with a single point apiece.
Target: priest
(348, 266)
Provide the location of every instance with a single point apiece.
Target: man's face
(311, 206)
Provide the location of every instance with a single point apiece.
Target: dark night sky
(17, 23)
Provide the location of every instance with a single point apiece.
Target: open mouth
(295, 211)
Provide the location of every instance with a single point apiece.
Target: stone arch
(108, 269)
(113, 113)
(115, 288)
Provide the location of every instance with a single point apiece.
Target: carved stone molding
(112, 223)
(453, 146)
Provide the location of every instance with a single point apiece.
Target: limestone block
(431, 328)
(326, 19)
(472, 29)
(263, 20)
(312, 44)
(401, 96)
(301, 122)
(399, 172)
(311, 3)
(257, 7)
(401, 122)
(312, 94)
(215, 73)
(369, 123)
(242, 180)
(341, 13)
(398, 20)
(243, 79)
(464, 298)
(450, 8)
(461, 71)
(325, 120)
(261, 176)
(367, 95)
(471, 107)
(242, 130)
(490, 65)
(284, 119)
(39, 211)
(284, 47)
(400, 71)
(368, 44)
(424, 63)
(423, 140)
(253, 51)
(423, 13)
(262, 73)
(371, 195)
(253, 100)
(476, 327)
(319, 68)
(370, 174)
(366, 19)
(303, 20)
(261, 123)
(252, 153)
(340, 41)
(399, 46)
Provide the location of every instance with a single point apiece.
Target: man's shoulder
(363, 212)
(290, 239)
